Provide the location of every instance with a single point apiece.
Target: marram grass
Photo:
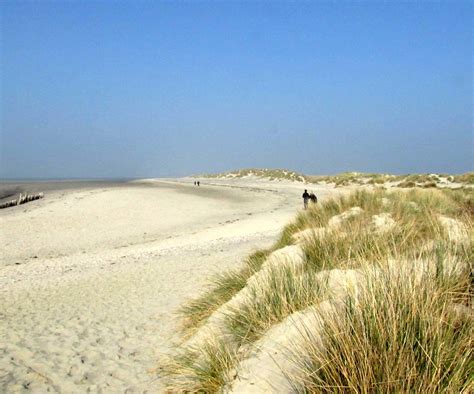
(205, 369)
(277, 295)
(222, 288)
(400, 335)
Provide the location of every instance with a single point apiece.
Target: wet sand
(11, 188)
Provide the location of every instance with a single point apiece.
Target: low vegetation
(354, 178)
(221, 288)
(283, 292)
(347, 178)
(271, 174)
(205, 369)
(467, 178)
(404, 336)
(412, 180)
(396, 269)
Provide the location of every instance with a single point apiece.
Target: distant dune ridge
(366, 291)
(352, 178)
(270, 174)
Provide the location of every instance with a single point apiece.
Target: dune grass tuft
(284, 291)
(400, 335)
(221, 288)
(407, 184)
(204, 369)
(467, 178)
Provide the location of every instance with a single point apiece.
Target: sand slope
(90, 279)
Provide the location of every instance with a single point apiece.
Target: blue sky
(142, 88)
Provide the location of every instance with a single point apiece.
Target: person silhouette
(305, 198)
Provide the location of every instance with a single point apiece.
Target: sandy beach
(91, 277)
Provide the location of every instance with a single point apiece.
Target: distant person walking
(305, 198)
(198, 183)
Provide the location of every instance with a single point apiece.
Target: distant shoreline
(12, 188)
(18, 180)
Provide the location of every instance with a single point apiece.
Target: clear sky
(143, 89)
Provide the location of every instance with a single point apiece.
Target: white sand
(90, 279)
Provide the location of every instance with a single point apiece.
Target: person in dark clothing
(313, 198)
(305, 198)
(198, 183)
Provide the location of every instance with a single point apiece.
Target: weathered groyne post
(21, 200)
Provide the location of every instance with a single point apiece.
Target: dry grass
(221, 288)
(350, 178)
(422, 178)
(467, 178)
(270, 173)
(410, 180)
(464, 200)
(429, 184)
(406, 184)
(204, 369)
(280, 293)
(401, 334)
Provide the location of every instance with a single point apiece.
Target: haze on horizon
(142, 89)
